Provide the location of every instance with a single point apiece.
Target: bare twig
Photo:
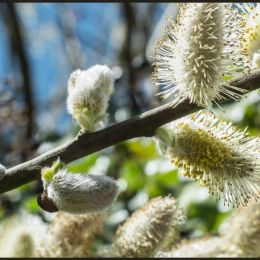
(85, 144)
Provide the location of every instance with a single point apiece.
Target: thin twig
(85, 144)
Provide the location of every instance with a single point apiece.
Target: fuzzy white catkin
(89, 92)
(243, 230)
(149, 228)
(197, 50)
(81, 193)
(203, 247)
(71, 235)
(240, 238)
(20, 235)
(2, 171)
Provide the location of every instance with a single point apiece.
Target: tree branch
(85, 144)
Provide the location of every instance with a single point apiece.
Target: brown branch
(85, 144)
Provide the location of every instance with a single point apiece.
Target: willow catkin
(250, 31)
(198, 49)
(20, 235)
(216, 154)
(240, 238)
(243, 230)
(148, 228)
(71, 235)
(203, 247)
(88, 96)
(78, 193)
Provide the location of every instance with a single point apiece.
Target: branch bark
(84, 144)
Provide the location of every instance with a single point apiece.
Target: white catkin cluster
(2, 171)
(20, 235)
(80, 193)
(197, 51)
(148, 228)
(71, 235)
(89, 92)
(213, 152)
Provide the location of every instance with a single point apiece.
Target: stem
(143, 125)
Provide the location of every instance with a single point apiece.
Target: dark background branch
(16, 39)
(126, 55)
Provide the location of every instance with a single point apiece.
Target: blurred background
(40, 45)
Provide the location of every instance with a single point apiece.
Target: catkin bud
(88, 96)
(148, 228)
(79, 193)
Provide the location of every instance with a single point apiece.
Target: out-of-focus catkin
(148, 228)
(202, 247)
(20, 235)
(71, 235)
(240, 238)
(243, 230)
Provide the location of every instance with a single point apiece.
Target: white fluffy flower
(77, 192)
(197, 51)
(216, 154)
(88, 96)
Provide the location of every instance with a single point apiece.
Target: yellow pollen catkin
(216, 154)
(203, 151)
